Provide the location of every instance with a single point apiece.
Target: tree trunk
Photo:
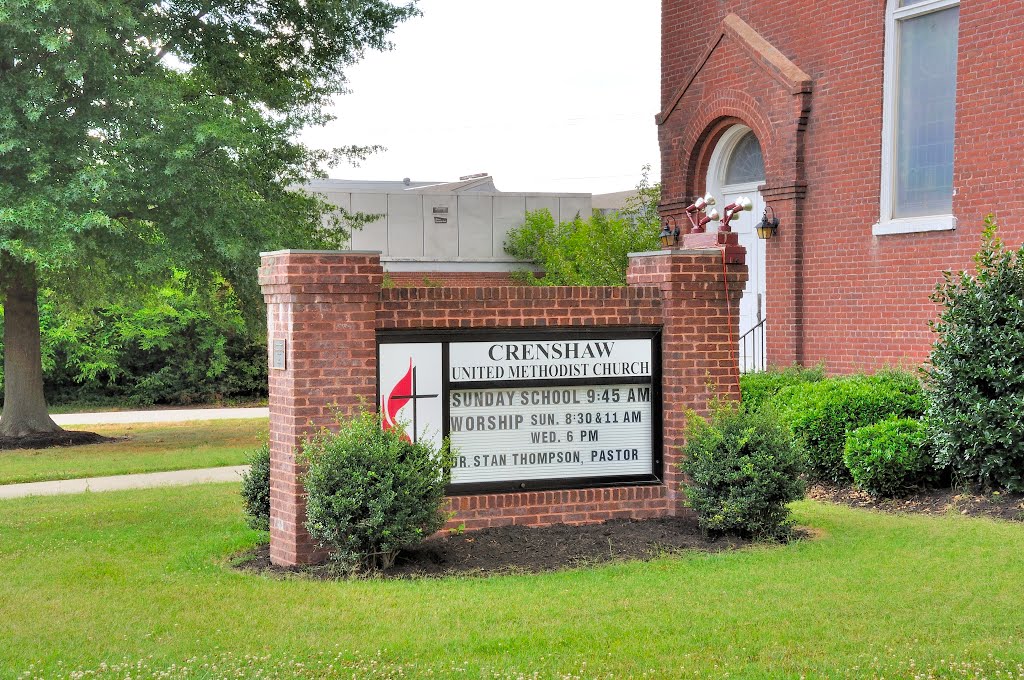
(25, 410)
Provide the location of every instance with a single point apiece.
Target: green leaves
(371, 493)
(743, 468)
(758, 388)
(976, 374)
(183, 342)
(890, 457)
(822, 413)
(588, 251)
(256, 489)
(136, 138)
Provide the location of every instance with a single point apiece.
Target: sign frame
(446, 337)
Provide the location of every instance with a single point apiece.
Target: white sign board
(549, 360)
(550, 432)
(527, 409)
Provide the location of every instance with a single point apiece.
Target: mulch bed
(938, 502)
(50, 439)
(518, 549)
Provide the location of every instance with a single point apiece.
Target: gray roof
(365, 186)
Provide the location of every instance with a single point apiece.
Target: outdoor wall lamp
(669, 237)
(769, 225)
(742, 204)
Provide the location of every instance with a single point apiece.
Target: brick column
(323, 304)
(701, 285)
(784, 269)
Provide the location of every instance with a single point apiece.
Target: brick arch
(703, 135)
(742, 78)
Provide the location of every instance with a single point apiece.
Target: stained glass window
(746, 163)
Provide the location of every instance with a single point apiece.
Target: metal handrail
(751, 337)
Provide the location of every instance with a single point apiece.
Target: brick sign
(564, 404)
(528, 411)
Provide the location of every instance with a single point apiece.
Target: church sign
(529, 410)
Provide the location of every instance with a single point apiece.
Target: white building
(450, 226)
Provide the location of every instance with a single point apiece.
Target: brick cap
(678, 251)
(320, 252)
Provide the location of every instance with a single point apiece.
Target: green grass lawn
(149, 448)
(138, 578)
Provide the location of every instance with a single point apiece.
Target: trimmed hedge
(821, 414)
(371, 492)
(890, 457)
(743, 468)
(758, 388)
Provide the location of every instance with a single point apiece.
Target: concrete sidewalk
(120, 482)
(171, 415)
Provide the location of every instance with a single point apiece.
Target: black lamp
(668, 236)
(769, 225)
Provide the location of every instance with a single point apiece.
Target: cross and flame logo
(402, 393)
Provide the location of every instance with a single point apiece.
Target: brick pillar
(701, 285)
(323, 304)
(784, 268)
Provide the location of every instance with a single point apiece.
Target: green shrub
(590, 250)
(256, 489)
(821, 414)
(758, 388)
(743, 468)
(176, 343)
(890, 457)
(976, 378)
(372, 493)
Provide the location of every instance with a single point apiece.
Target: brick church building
(880, 132)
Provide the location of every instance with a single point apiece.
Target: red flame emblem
(392, 404)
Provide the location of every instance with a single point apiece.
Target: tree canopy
(590, 251)
(142, 136)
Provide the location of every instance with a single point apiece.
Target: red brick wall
(328, 307)
(570, 506)
(836, 293)
(449, 279)
(518, 307)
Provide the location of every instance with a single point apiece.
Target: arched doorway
(737, 169)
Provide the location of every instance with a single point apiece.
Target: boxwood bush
(743, 468)
(759, 388)
(256, 489)
(976, 378)
(890, 457)
(822, 413)
(371, 493)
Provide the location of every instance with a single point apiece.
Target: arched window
(746, 164)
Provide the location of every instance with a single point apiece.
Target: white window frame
(886, 223)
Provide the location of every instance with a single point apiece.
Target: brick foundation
(328, 306)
